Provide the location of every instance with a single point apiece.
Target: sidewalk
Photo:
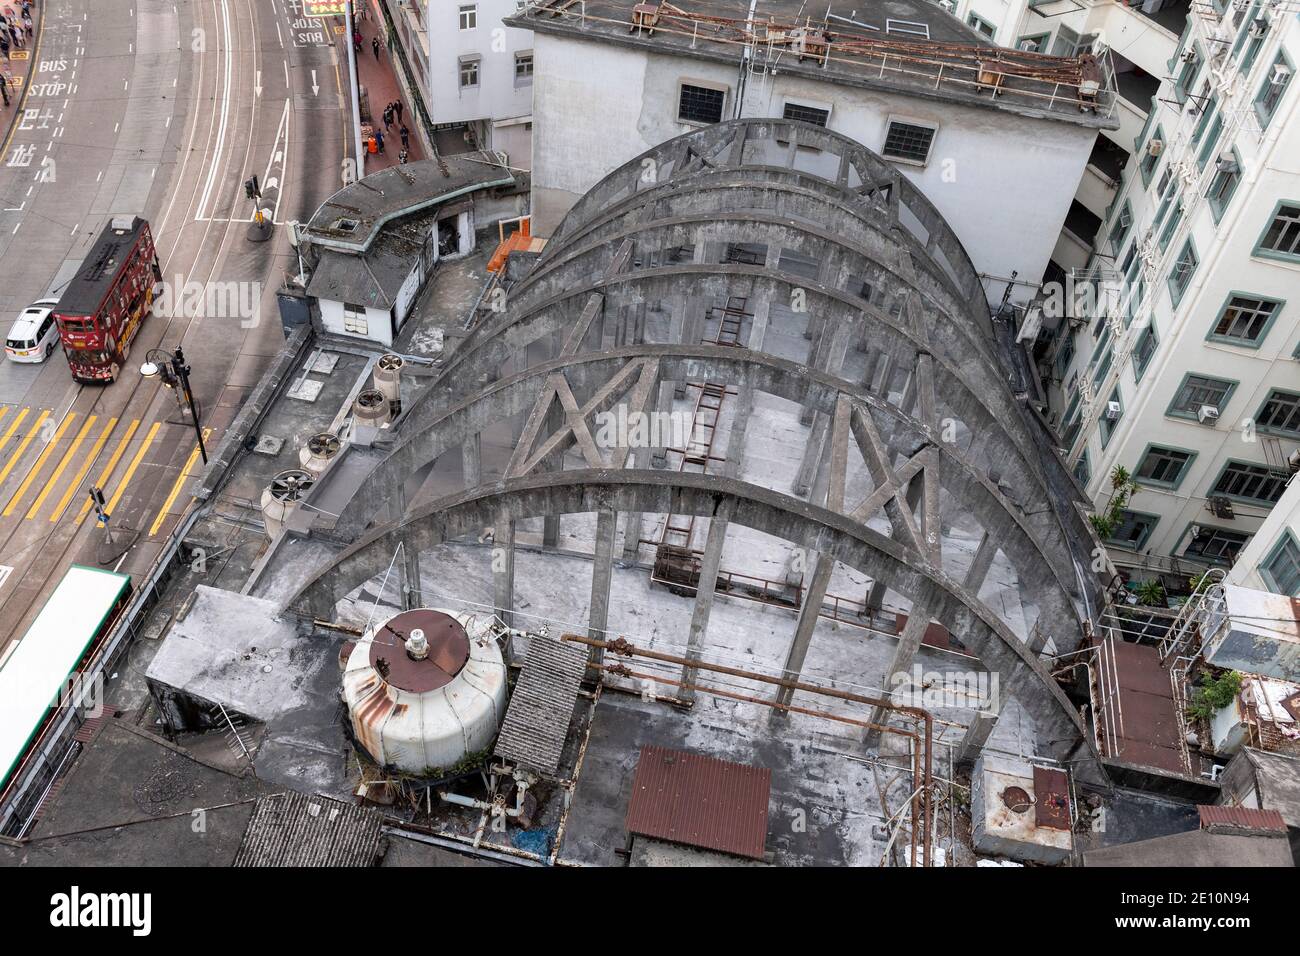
(18, 67)
(379, 78)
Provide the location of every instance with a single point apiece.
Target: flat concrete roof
(927, 46)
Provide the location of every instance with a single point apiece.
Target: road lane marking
(50, 445)
(176, 488)
(108, 469)
(130, 471)
(13, 427)
(22, 445)
(81, 472)
(63, 464)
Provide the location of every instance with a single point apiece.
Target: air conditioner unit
(949, 6)
(1207, 413)
(1241, 4)
(1155, 147)
(1293, 461)
(1281, 73)
(1189, 56)
(1226, 163)
(1113, 411)
(1258, 27)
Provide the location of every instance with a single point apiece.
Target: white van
(34, 334)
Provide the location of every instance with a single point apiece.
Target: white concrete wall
(498, 96)
(1283, 520)
(1003, 181)
(331, 314)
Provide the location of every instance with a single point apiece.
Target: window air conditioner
(1155, 147)
(1113, 411)
(1226, 163)
(1281, 73)
(1207, 413)
(1258, 27)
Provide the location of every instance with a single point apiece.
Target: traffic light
(251, 188)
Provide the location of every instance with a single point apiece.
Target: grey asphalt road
(162, 109)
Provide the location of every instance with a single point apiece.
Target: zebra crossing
(47, 462)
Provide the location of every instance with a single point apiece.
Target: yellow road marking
(81, 472)
(13, 427)
(52, 444)
(108, 469)
(22, 445)
(4, 410)
(130, 471)
(63, 463)
(176, 488)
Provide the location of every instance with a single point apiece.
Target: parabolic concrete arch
(752, 258)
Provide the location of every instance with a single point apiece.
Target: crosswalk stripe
(13, 427)
(22, 445)
(130, 471)
(35, 471)
(108, 469)
(81, 472)
(63, 463)
(176, 488)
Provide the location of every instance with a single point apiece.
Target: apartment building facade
(1182, 365)
(474, 73)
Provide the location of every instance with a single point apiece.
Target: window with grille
(1082, 471)
(1133, 529)
(1108, 425)
(469, 73)
(1245, 319)
(909, 142)
(1180, 274)
(981, 25)
(1242, 479)
(1282, 568)
(354, 319)
(1282, 237)
(1164, 466)
(523, 68)
(806, 114)
(1222, 186)
(1280, 413)
(700, 104)
(1143, 351)
(1276, 81)
(1198, 390)
(468, 16)
(1216, 545)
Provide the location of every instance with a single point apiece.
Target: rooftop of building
(910, 46)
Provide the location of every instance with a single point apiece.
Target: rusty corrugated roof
(700, 801)
(1243, 817)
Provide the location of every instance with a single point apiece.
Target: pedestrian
(399, 107)
(374, 43)
(356, 40)
(388, 116)
(406, 138)
(4, 42)
(27, 22)
(401, 157)
(379, 140)
(4, 87)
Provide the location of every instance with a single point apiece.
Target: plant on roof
(1213, 693)
(1151, 593)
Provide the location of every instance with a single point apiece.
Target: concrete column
(979, 568)
(411, 596)
(659, 459)
(809, 611)
(704, 593)
(976, 736)
(503, 568)
(602, 572)
(875, 599)
(472, 460)
(812, 454)
(908, 644)
(632, 526)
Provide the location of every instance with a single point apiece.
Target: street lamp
(174, 372)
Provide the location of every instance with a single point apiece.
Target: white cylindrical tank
(318, 452)
(425, 690)
(388, 379)
(281, 497)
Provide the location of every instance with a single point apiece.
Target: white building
(1271, 560)
(475, 73)
(615, 78)
(1188, 377)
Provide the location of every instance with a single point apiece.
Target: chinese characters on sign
(324, 8)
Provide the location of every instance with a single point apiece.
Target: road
(161, 109)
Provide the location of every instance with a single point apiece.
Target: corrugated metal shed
(290, 829)
(541, 707)
(1246, 818)
(700, 801)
